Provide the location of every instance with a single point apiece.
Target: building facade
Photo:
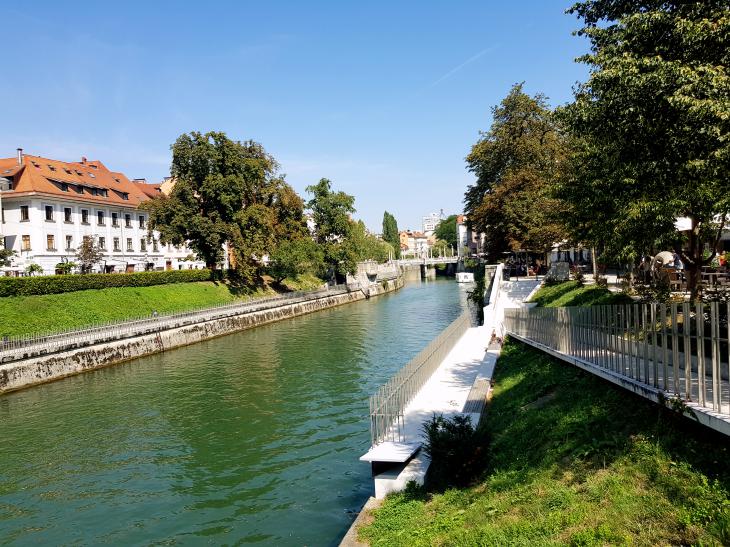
(50, 207)
(431, 221)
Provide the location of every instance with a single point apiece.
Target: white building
(431, 221)
(49, 207)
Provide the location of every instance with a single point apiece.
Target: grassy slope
(52, 312)
(571, 294)
(574, 461)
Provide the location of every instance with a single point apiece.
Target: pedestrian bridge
(429, 261)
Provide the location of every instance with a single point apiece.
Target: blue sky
(383, 98)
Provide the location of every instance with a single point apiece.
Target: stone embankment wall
(46, 368)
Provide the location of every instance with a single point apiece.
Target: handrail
(24, 346)
(388, 403)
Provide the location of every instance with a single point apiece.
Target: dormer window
(38, 165)
(51, 167)
(92, 175)
(64, 187)
(79, 173)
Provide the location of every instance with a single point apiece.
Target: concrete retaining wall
(47, 368)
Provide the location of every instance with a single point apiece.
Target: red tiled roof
(38, 175)
(150, 190)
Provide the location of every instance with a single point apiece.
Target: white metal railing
(13, 348)
(680, 349)
(388, 403)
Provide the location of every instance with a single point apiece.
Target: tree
(296, 257)
(361, 245)
(33, 269)
(446, 231)
(517, 164)
(88, 254)
(332, 225)
(391, 234)
(6, 257)
(652, 122)
(226, 192)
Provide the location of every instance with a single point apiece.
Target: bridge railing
(13, 348)
(675, 350)
(388, 404)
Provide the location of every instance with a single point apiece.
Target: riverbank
(40, 366)
(21, 315)
(572, 460)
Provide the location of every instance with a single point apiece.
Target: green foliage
(227, 192)
(446, 231)
(390, 233)
(330, 211)
(56, 312)
(455, 449)
(53, 284)
(65, 268)
(517, 163)
(6, 256)
(573, 460)
(32, 269)
(441, 248)
(331, 214)
(652, 127)
(570, 293)
(296, 257)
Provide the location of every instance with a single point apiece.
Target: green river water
(252, 438)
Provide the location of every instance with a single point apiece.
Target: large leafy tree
(332, 224)
(446, 231)
(517, 164)
(227, 192)
(652, 125)
(390, 232)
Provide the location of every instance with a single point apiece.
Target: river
(252, 438)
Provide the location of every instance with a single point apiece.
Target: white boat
(465, 277)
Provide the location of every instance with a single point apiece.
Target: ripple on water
(252, 437)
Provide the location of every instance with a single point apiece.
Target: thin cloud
(457, 68)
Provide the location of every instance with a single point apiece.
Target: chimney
(20, 156)
(83, 160)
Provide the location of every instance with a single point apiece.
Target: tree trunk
(595, 264)
(693, 262)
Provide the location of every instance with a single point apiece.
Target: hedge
(53, 284)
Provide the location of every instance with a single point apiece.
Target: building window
(67, 214)
(84, 216)
(102, 243)
(115, 220)
(155, 247)
(50, 242)
(25, 245)
(129, 245)
(141, 221)
(127, 221)
(64, 187)
(24, 215)
(142, 245)
(69, 243)
(49, 213)
(100, 218)
(116, 245)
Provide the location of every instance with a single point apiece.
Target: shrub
(53, 284)
(456, 449)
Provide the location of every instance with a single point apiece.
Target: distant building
(431, 221)
(468, 241)
(50, 207)
(414, 243)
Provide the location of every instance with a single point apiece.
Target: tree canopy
(517, 164)
(652, 125)
(230, 192)
(390, 233)
(446, 231)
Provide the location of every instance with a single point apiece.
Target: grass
(54, 312)
(570, 293)
(573, 461)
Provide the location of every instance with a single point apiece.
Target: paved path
(447, 391)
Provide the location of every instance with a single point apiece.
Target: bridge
(428, 261)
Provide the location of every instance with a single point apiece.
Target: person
(722, 260)
(678, 265)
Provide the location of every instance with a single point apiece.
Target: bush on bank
(55, 284)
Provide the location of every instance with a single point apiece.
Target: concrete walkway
(469, 365)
